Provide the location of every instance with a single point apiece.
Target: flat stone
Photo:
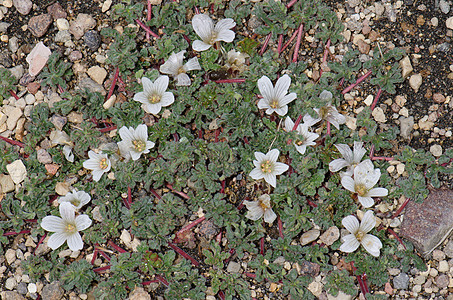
(38, 25)
(37, 58)
(81, 24)
(11, 295)
(439, 98)
(92, 39)
(449, 23)
(315, 288)
(32, 288)
(406, 67)
(6, 184)
(340, 296)
(406, 126)
(305, 268)
(4, 26)
(139, 293)
(233, 267)
(57, 11)
(52, 291)
(58, 121)
(91, 85)
(436, 150)
(309, 236)
(14, 114)
(442, 281)
(379, 115)
(97, 73)
(44, 156)
(401, 282)
(10, 256)
(23, 6)
(448, 250)
(415, 81)
(17, 171)
(10, 283)
(62, 24)
(428, 223)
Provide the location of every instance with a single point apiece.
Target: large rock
(427, 224)
(52, 291)
(23, 6)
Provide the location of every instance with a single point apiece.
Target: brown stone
(428, 223)
(308, 268)
(38, 25)
(438, 98)
(363, 47)
(57, 11)
(33, 87)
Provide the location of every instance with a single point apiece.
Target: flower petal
(285, 100)
(192, 64)
(378, 192)
(289, 124)
(148, 85)
(372, 244)
(346, 153)
(282, 110)
(269, 216)
(183, 80)
(56, 240)
(348, 183)
(203, 26)
(271, 179)
(280, 168)
(82, 222)
(256, 174)
(263, 103)
(359, 152)
(224, 24)
(272, 155)
(126, 134)
(153, 108)
(167, 99)
(366, 201)
(199, 46)
(266, 87)
(337, 164)
(368, 222)
(260, 157)
(282, 86)
(53, 224)
(350, 243)
(310, 121)
(67, 212)
(97, 174)
(351, 224)
(161, 84)
(141, 97)
(75, 242)
(226, 36)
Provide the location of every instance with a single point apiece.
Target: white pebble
(436, 150)
(32, 288)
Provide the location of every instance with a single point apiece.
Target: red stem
(155, 194)
(146, 28)
(161, 279)
(221, 295)
(189, 226)
(396, 236)
(117, 248)
(280, 42)
(95, 255)
(148, 16)
(216, 138)
(262, 246)
(251, 275)
(328, 127)
(107, 129)
(373, 105)
(102, 252)
(184, 195)
(13, 94)
(101, 269)
(129, 195)
(149, 282)
(280, 227)
(234, 80)
(14, 233)
(291, 3)
(39, 242)
(12, 142)
(115, 78)
(222, 190)
(290, 40)
(324, 58)
(197, 11)
(266, 42)
(362, 78)
(184, 254)
(299, 119)
(299, 39)
(126, 203)
(186, 38)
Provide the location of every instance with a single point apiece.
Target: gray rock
(52, 291)
(81, 24)
(444, 6)
(353, 3)
(10, 295)
(139, 293)
(5, 59)
(233, 267)
(17, 71)
(22, 288)
(23, 6)
(38, 25)
(448, 250)
(427, 224)
(13, 44)
(406, 126)
(92, 39)
(57, 11)
(330, 236)
(442, 281)
(58, 121)
(44, 156)
(309, 236)
(10, 256)
(10, 283)
(305, 268)
(401, 282)
(91, 85)
(4, 26)
(62, 36)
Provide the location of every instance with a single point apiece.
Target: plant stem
(102, 269)
(324, 58)
(221, 295)
(40, 242)
(373, 105)
(148, 16)
(290, 40)
(117, 248)
(15, 233)
(12, 142)
(250, 275)
(280, 42)
(361, 78)
(262, 246)
(112, 87)
(189, 226)
(197, 11)
(95, 255)
(155, 193)
(291, 3)
(13, 94)
(266, 42)
(233, 80)
(129, 195)
(146, 28)
(161, 279)
(390, 230)
(280, 227)
(184, 195)
(299, 39)
(184, 254)
(328, 127)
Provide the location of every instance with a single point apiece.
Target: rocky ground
(422, 108)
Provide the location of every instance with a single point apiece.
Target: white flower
(259, 208)
(99, 163)
(267, 167)
(174, 67)
(210, 34)
(66, 228)
(327, 113)
(305, 138)
(350, 159)
(236, 61)
(135, 140)
(67, 151)
(154, 95)
(275, 99)
(359, 234)
(365, 178)
(76, 198)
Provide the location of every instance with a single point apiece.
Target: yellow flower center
(213, 38)
(103, 164)
(300, 141)
(359, 236)
(361, 189)
(266, 167)
(274, 103)
(139, 146)
(70, 228)
(75, 202)
(324, 112)
(154, 98)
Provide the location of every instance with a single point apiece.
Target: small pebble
(32, 288)
(443, 266)
(401, 282)
(436, 150)
(92, 39)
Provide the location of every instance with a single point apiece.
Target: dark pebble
(5, 59)
(92, 39)
(22, 288)
(26, 79)
(57, 11)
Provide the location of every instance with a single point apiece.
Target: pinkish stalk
(117, 248)
(266, 42)
(328, 127)
(148, 15)
(107, 129)
(102, 252)
(60, 89)
(129, 195)
(280, 42)
(364, 282)
(290, 41)
(149, 282)
(102, 269)
(184, 195)
(396, 236)
(189, 226)
(262, 246)
(155, 194)
(218, 238)
(246, 140)
(299, 39)
(373, 105)
(186, 38)
(324, 58)
(161, 280)
(14, 94)
(126, 203)
(250, 275)
(382, 158)
(217, 132)
(146, 28)
(40, 242)
(31, 220)
(280, 227)
(175, 137)
(184, 254)
(361, 78)
(299, 119)
(233, 80)
(221, 295)
(15, 233)
(115, 78)
(95, 255)
(291, 3)
(222, 190)
(12, 142)
(197, 10)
